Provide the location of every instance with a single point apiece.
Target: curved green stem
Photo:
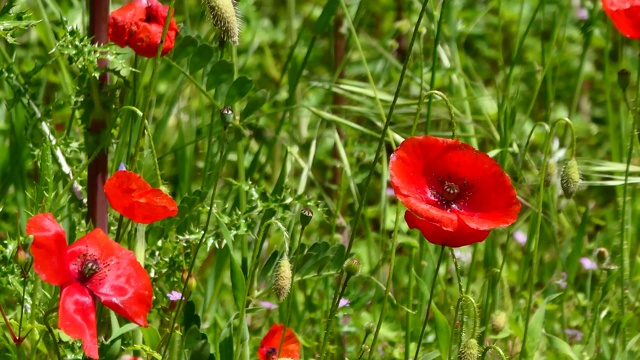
(426, 316)
(495, 349)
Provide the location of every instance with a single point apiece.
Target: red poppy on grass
(134, 198)
(625, 15)
(92, 266)
(454, 194)
(271, 343)
(139, 25)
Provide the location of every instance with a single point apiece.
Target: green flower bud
(624, 79)
(226, 114)
(225, 17)
(21, 256)
(352, 267)
(602, 256)
(305, 217)
(192, 283)
(498, 321)
(369, 327)
(470, 350)
(570, 178)
(282, 279)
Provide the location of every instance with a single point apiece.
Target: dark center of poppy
(451, 191)
(272, 353)
(88, 268)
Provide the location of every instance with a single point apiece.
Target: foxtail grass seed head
(225, 17)
(550, 174)
(282, 279)
(470, 350)
(570, 178)
(352, 267)
(305, 217)
(624, 79)
(498, 321)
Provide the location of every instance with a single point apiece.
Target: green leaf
(226, 341)
(238, 286)
(254, 104)
(238, 90)
(561, 347)
(200, 351)
(185, 47)
(443, 332)
(191, 337)
(324, 20)
(220, 73)
(536, 327)
(190, 316)
(201, 58)
(151, 336)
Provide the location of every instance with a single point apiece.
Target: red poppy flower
(92, 266)
(134, 198)
(271, 343)
(625, 15)
(454, 193)
(139, 25)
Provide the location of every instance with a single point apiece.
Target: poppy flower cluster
(93, 266)
(454, 194)
(130, 195)
(625, 15)
(270, 344)
(140, 24)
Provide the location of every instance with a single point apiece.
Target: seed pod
(226, 114)
(352, 267)
(550, 173)
(225, 17)
(305, 217)
(602, 256)
(282, 279)
(570, 178)
(470, 350)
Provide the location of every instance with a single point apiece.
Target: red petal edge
(122, 284)
(290, 346)
(49, 249)
(77, 317)
(435, 234)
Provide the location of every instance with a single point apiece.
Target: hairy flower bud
(498, 321)
(282, 279)
(352, 267)
(470, 350)
(225, 17)
(570, 178)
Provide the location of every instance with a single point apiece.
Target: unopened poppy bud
(352, 267)
(226, 114)
(498, 321)
(470, 350)
(21, 256)
(623, 79)
(305, 217)
(282, 279)
(185, 273)
(550, 173)
(366, 348)
(570, 178)
(602, 255)
(224, 16)
(369, 327)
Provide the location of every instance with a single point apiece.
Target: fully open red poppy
(271, 343)
(625, 15)
(139, 25)
(134, 198)
(92, 266)
(454, 193)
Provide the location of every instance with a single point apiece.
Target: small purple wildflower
(520, 237)
(267, 305)
(588, 264)
(574, 334)
(562, 282)
(122, 166)
(343, 302)
(174, 295)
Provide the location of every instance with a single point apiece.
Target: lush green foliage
(312, 88)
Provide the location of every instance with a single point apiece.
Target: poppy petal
(435, 234)
(157, 14)
(625, 15)
(135, 199)
(77, 317)
(121, 283)
(124, 20)
(146, 39)
(290, 345)
(49, 249)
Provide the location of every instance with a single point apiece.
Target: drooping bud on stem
(305, 217)
(225, 17)
(570, 178)
(470, 350)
